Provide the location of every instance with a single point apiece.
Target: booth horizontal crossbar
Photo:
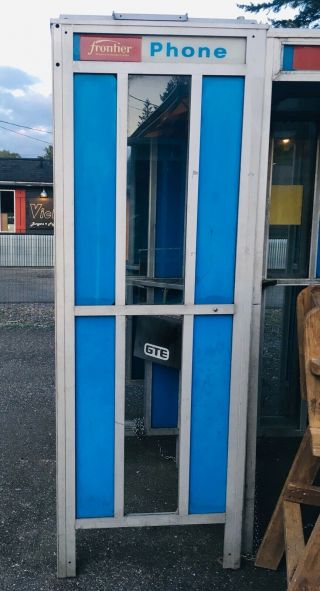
(141, 520)
(155, 310)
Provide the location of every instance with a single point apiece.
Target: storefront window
(158, 131)
(7, 211)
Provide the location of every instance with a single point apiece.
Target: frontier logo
(110, 48)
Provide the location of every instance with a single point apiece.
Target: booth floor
(159, 559)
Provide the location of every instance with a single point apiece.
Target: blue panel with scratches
(220, 157)
(95, 123)
(95, 400)
(210, 413)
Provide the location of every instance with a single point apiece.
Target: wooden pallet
(285, 531)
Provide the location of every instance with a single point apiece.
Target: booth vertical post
(66, 542)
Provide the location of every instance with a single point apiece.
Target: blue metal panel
(95, 112)
(288, 52)
(209, 413)
(220, 153)
(76, 47)
(165, 396)
(171, 186)
(95, 383)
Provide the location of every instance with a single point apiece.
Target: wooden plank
(312, 353)
(303, 494)
(315, 366)
(294, 539)
(285, 526)
(304, 470)
(307, 574)
(314, 295)
(307, 299)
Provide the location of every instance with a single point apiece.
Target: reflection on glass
(290, 214)
(280, 394)
(158, 130)
(151, 413)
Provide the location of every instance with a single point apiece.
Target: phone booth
(157, 141)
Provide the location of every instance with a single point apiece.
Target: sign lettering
(170, 50)
(156, 351)
(110, 48)
(199, 50)
(40, 214)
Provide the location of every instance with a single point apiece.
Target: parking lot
(159, 559)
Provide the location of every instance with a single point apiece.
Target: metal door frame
(276, 40)
(64, 67)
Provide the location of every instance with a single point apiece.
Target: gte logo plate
(156, 352)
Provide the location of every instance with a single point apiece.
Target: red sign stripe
(306, 58)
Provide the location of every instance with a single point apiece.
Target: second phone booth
(157, 142)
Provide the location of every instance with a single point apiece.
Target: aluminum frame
(149, 17)
(64, 68)
(315, 218)
(66, 548)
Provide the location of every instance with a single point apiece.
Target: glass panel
(290, 215)
(7, 211)
(280, 393)
(151, 412)
(158, 131)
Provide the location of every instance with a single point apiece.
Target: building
(26, 212)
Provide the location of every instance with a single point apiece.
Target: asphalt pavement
(137, 559)
(26, 285)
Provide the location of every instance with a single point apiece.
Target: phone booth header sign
(115, 48)
(301, 57)
(157, 134)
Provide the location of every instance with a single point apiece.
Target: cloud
(32, 109)
(22, 105)
(15, 79)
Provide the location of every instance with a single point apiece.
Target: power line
(143, 101)
(25, 135)
(135, 108)
(25, 126)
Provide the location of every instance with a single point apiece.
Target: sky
(25, 58)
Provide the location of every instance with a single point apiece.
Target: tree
(174, 81)
(47, 153)
(308, 14)
(148, 108)
(8, 154)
